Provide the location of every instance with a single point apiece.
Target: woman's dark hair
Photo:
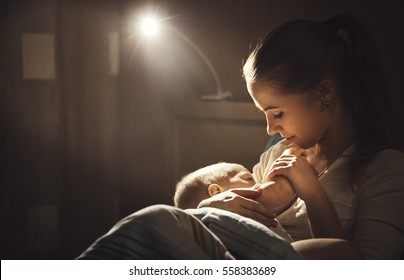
(298, 54)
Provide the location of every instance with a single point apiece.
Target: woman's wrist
(324, 221)
(315, 193)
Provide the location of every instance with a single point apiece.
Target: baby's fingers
(295, 151)
(278, 170)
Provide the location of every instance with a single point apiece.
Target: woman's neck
(335, 141)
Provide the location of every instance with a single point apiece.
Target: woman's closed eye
(278, 115)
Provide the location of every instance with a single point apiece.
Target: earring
(326, 105)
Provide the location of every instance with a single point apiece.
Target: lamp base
(222, 95)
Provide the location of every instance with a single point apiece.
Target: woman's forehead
(267, 97)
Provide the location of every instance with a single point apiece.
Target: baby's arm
(277, 194)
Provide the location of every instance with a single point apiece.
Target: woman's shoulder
(275, 150)
(386, 170)
(262, 168)
(387, 159)
(279, 147)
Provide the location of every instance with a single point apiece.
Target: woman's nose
(273, 126)
(272, 129)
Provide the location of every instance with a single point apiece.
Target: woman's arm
(323, 218)
(241, 201)
(379, 223)
(328, 249)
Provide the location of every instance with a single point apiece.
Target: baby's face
(239, 177)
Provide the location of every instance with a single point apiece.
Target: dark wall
(32, 139)
(61, 187)
(85, 147)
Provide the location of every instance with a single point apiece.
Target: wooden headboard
(203, 133)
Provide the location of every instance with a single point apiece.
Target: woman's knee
(155, 214)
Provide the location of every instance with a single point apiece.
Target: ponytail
(365, 89)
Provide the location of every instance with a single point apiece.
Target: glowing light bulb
(149, 26)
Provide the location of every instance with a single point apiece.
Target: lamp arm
(205, 59)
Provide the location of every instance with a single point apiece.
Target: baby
(278, 194)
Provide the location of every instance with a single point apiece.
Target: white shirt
(372, 212)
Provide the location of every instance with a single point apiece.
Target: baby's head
(210, 180)
(277, 194)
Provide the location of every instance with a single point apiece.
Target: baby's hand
(295, 151)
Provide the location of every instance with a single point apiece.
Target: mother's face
(296, 117)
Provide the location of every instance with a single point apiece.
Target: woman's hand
(293, 165)
(324, 221)
(241, 201)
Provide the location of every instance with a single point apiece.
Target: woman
(316, 86)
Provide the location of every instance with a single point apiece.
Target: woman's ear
(326, 90)
(213, 189)
(326, 93)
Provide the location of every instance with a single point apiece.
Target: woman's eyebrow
(271, 108)
(267, 108)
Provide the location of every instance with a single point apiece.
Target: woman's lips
(289, 139)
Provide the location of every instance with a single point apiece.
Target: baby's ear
(213, 189)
